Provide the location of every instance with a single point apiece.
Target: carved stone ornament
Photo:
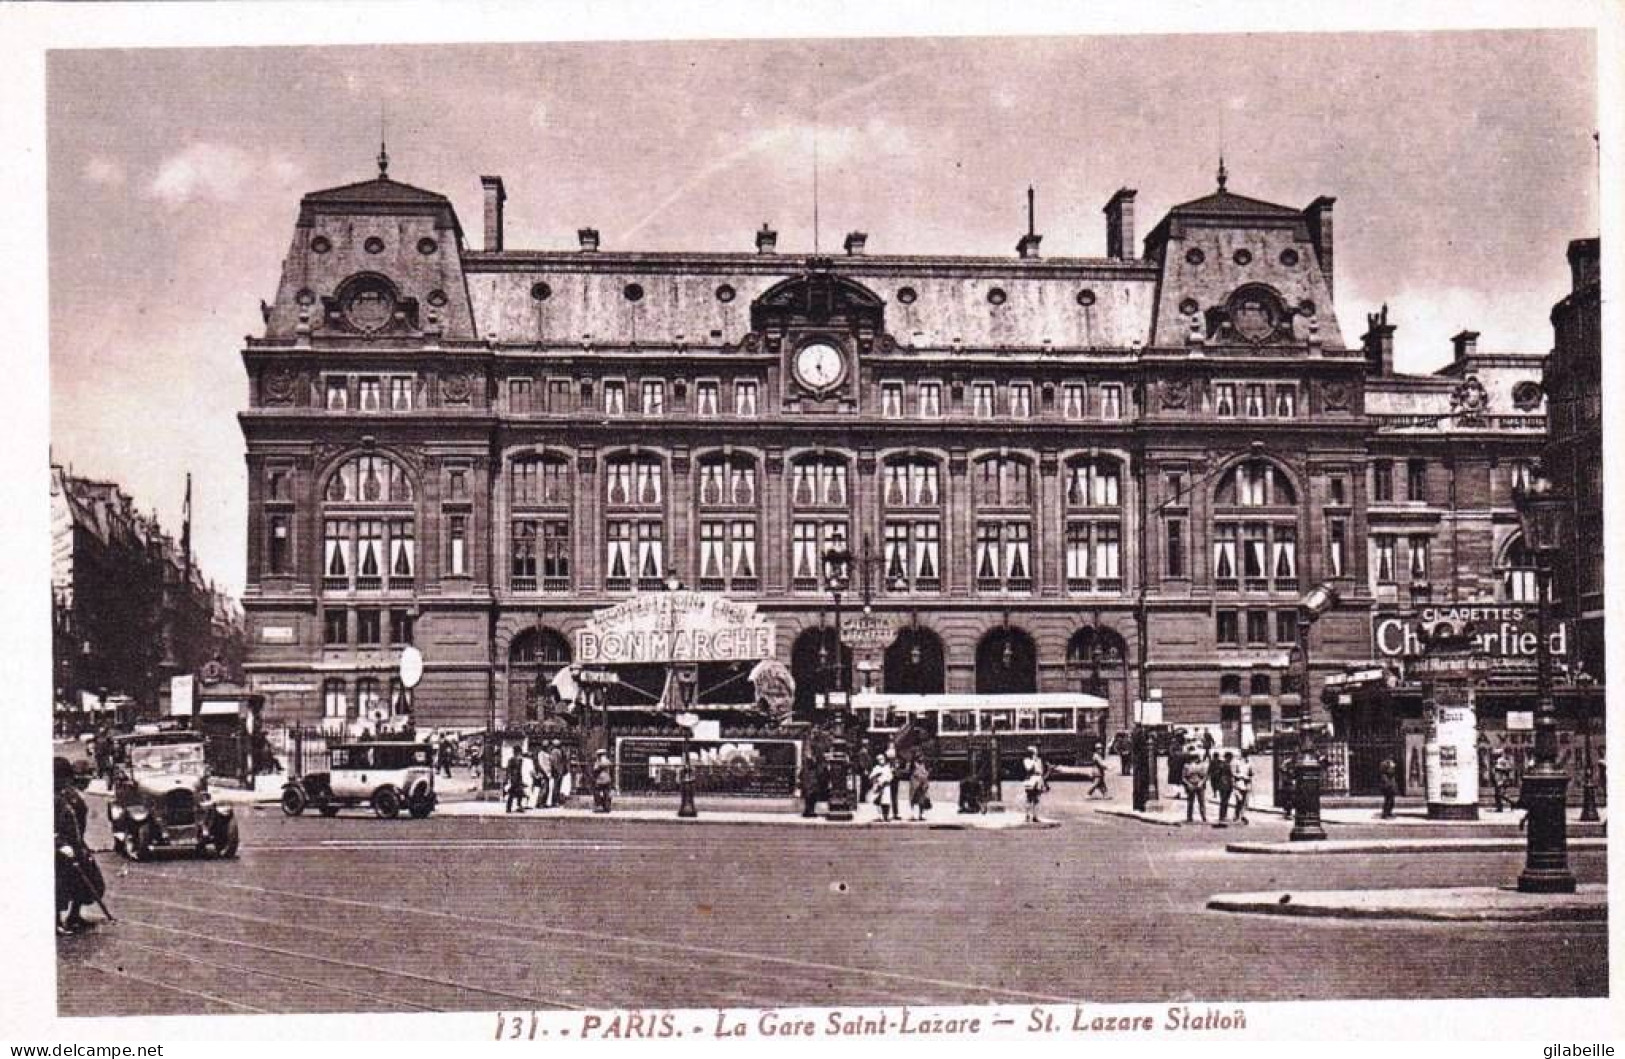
(1470, 397)
(280, 384)
(458, 387)
(1336, 396)
(1176, 393)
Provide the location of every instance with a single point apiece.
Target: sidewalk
(1456, 904)
(1401, 845)
(938, 818)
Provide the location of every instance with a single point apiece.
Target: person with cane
(78, 880)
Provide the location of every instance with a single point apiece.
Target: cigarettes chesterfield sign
(675, 627)
(1501, 636)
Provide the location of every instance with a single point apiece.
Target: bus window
(997, 720)
(1055, 720)
(1027, 720)
(957, 721)
(880, 718)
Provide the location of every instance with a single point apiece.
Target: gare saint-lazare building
(1120, 474)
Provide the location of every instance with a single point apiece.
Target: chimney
(1319, 216)
(495, 196)
(1027, 245)
(1466, 343)
(855, 242)
(766, 240)
(1584, 262)
(1378, 342)
(1120, 225)
(588, 238)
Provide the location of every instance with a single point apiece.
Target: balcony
(335, 584)
(804, 584)
(369, 584)
(651, 584)
(522, 583)
(556, 584)
(617, 584)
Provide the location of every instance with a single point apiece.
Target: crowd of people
(1197, 767)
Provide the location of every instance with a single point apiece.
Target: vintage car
(388, 776)
(161, 799)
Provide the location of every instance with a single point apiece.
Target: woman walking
(919, 788)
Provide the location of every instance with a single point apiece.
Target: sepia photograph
(890, 537)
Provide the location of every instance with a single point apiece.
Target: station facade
(1121, 473)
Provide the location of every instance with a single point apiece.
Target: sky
(1462, 164)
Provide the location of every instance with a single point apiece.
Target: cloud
(104, 171)
(213, 172)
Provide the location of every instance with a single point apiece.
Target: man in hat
(603, 779)
(560, 770)
(78, 880)
(1033, 765)
(516, 780)
(895, 771)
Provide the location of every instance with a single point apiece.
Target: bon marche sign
(1505, 638)
(675, 627)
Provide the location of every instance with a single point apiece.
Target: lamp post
(837, 577)
(1306, 779)
(685, 675)
(1544, 791)
(1583, 683)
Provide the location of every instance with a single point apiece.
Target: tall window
(633, 482)
(335, 699)
(402, 553)
(727, 499)
(1416, 480)
(891, 400)
(519, 396)
(400, 627)
(653, 394)
(1093, 532)
(369, 630)
(1175, 535)
(614, 397)
(338, 393)
(1382, 557)
(1382, 481)
(1420, 559)
(745, 391)
(1255, 400)
(1337, 543)
(1002, 489)
(558, 396)
(278, 547)
(982, 400)
(457, 545)
(635, 485)
(1224, 399)
(367, 698)
(930, 400)
(522, 546)
(1021, 400)
(1286, 401)
(400, 393)
(1255, 532)
(1519, 579)
(911, 496)
(820, 500)
(542, 499)
(369, 569)
(1111, 401)
(1072, 400)
(335, 627)
(705, 398)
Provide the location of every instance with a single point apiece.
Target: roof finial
(1223, 175)
(383, 152)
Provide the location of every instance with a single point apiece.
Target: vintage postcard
(1064, 533)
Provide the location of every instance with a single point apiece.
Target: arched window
(635, 531)
(534, 656)
(336, 699)
(816, 667)
(1255, 530)
(369, 533)
(1093, 496)
(1006, 663)
(1003, 491)
(914, 663)
(727, 494)
(1517, 577)
(820, 503)
(911, 495)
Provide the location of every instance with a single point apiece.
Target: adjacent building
(1128, 468)
(130, 608)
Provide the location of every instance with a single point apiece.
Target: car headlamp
(115, 812)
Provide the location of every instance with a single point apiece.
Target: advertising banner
(1504, 639)
(721, 766)
(181, 694)
(675, 627)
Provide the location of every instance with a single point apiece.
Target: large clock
(819, 365)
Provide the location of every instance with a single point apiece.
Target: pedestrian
(1207, 741)
(1195, 780)
(603, 782)
(893, 786)
(516, 781)
(102, 748)
(1219, 777)
(919, 788)
(971, 798)
(1176, 758)
(1098, 760)
(1033, 784)
(1241, 778)
(1390, 786)
(810, 782)
(542, 768)
(1501, 779)
(78, 880)
(448, 753)
(559, 767)
(864, 762)
(1123, 747)
(880, 778)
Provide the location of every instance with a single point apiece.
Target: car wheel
(293, 801)
(327, 808)
(227, 846)
(386, 802)
(420, 808)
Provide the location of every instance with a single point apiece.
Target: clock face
(819, 365)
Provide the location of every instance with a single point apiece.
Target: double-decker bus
(1066, 727)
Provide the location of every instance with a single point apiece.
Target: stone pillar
(957, 529)
(680, 516)
(865, 505)
(589, 524)
(773, 550)
(1049, 535)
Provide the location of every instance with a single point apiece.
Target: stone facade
(1156, 452)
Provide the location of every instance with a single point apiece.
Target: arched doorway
(1006, 663)
(914, 664)
(533, 656)
(1098, 658)
(813, 665)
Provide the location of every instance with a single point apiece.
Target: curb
(763, 820)
(1589, 906)
(1412, 845)
(1154, 818)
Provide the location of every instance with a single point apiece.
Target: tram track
(113, 972)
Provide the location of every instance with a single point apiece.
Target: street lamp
(1544, 792)
(837, 577)
(687, 675)
(1583, 683)
(1306, 777)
